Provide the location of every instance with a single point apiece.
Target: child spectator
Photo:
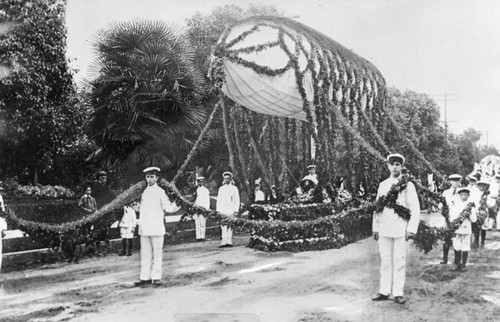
(127, 227)
(462, 239)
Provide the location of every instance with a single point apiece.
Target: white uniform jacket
(129, 218)
(228, 200)
(388, 223)
(202, 197)
(456, 210)
(494, 189)
(451, 196)
(260, 196)
(154, 204)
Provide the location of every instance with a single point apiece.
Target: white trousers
(227, 235)
(151, 257)
(200, 222)
(392, 265)
(461, 242)
(126, 232)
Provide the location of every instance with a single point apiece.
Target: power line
(447, 97)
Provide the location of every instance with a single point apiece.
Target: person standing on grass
(202, 200)
(392, 231)
(461, 241)
(228, 203)
(127, 227)
(154, 205)
(451, 197)
(103, 196)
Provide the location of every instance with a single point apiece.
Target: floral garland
(427, 237)
(390, 199)
(196, 145)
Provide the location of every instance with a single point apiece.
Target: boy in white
(391, 231)
(154, 204)
(202, 200)
(127, 227)
(228, 203)
(461, 241)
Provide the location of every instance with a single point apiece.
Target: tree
(418, 116)
(145, 95)
(39, 114)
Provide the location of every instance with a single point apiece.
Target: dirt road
(204, 283)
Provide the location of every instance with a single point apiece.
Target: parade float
(290, 96)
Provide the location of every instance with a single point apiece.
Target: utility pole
(447, 97)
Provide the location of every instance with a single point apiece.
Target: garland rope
(193, 151)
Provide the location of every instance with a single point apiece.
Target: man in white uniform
(391, 231)
(451, 196)
(228, 203)
(202, 200)
(154, 204)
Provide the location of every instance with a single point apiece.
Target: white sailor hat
(483, 182)
(200, 178)
(227, 173)
(102, 174)
(472, 178)
(396, 157)
(463, 189)
(311, 166)
(454, 177)
(151, 169)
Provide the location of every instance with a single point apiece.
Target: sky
(435, 47)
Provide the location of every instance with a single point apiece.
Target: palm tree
(145, 92)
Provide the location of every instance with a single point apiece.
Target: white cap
(200, 178)
(454, 177)
(151, 169)
(227, 173)
(483, 182)
(463, 189)
(396, 156)
(311, 166)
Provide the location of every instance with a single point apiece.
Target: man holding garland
(228, 203)
(202, 200)
(154, 205)
(392, 231)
